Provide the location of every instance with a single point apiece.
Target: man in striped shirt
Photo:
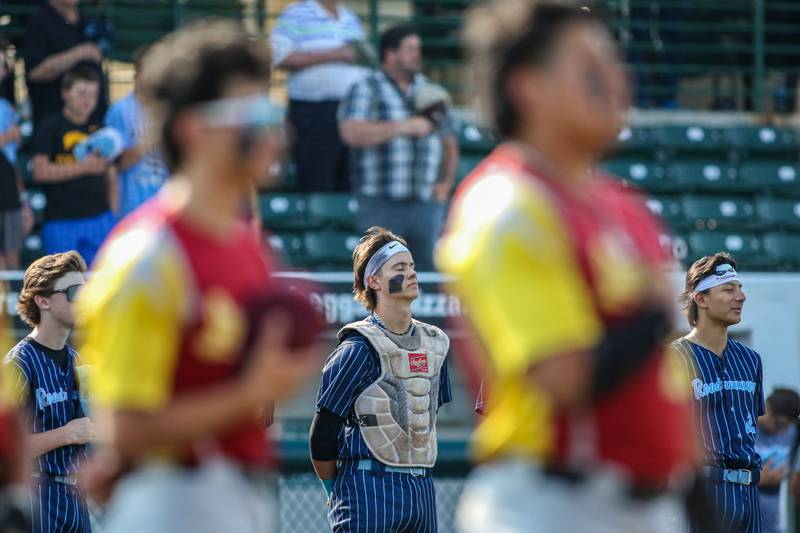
(726, 381)
(43, 370)
(373, 438)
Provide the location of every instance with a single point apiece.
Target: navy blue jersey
(50, 396)
(728, 399)
(350, 369)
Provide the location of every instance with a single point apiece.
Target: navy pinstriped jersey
(728, 399)
(50, 395)
(350, 369)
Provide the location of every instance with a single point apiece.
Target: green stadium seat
(635, 139)
(778, 176)
(669, 209)
(783, 249)
(642, 172)
(289, 246)
(31, 249)
(466, 163)
(754, 139)
(779, 212)
(716, 212)
(746, 247)
(692, 138)
(38, 201)
(284, 210)
(475, 139)
(332, 210)
(332, 249)
(705, 175)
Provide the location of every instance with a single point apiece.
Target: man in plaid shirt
(402, 162)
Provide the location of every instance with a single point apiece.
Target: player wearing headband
(373, 438)
(725, 376)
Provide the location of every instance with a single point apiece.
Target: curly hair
(40, 278)
(371, 242)
(701, 268)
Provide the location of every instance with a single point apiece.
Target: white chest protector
(397, 413)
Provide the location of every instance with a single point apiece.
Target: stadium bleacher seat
(706, 175)
(719, 212)
(289, 246)
(330, 249)
(746, 247)
(331, 210)
(640, 171)
(779, 176)
(782, 249)
(31, 249)
(690, 138)
(466, 163)
(779, 213)
(761, 139)
(284, 210)
(669, 209)
(635, 139)
(474, 139)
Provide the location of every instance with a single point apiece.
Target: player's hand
(345, 54)
(441, 191)
(95, 165)
(416, 127)
(87, 52)
(79, 431)
(275, 370)
(771, 475)
(99, 474)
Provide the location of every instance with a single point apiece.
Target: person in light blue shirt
(774, 439)
(142, 172)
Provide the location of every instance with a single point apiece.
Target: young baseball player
(43, 370)
(725, 376)
(586, 427)
(176, 389)
(373, 438)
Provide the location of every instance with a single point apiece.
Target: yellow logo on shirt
(223, 327)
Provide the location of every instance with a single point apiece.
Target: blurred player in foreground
(373, 438)
(43, 366)
(725, 377)
(165, 315)
(587, 427)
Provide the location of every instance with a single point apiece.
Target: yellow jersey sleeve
(515, 269)
(132, 316)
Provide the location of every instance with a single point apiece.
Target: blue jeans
(84, 235)
(419, 223)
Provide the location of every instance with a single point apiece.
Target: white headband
(379, 258)
(722, 274)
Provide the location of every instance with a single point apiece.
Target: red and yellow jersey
(542, 271)
(163, 315)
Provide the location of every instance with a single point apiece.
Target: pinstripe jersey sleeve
(351, 368)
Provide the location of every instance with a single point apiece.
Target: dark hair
(194, 65)
(40, 278)
(501, 35)
(79, 73)
(784, 402)
(392, 38)
(701, 268)
(371, 242)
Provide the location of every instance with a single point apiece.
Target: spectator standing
(16, 217)
(141, 169)
(774, 440)
(402, 164)
(78, 213)
(56, 42)
(315, 41)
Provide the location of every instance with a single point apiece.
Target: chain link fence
(303, 510)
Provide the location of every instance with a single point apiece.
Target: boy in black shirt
(78, 215)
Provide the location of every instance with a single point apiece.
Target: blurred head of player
(718, 305)
(547, 74)
(49, 288)
(205, 89)
(401, 51)
(782, 410)
(394, 283)
(80, 89)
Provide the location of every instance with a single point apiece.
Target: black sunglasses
(70, 291)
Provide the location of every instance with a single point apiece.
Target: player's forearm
(365, 134)
(130, 157)
(189, 417)
(47, 441)
(324, 469)
(46, 172)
